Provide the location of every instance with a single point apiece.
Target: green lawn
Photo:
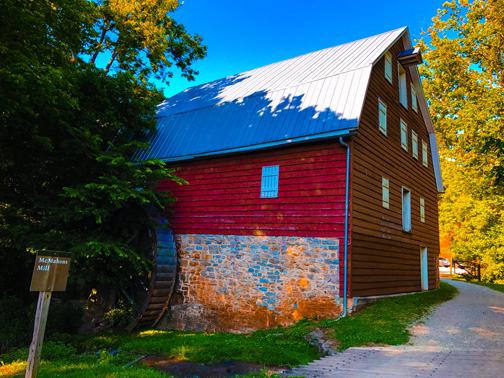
(386, 322)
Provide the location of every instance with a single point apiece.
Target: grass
(274, 347)
(460, 277)
(386, 322)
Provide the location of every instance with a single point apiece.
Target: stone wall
(244, 283)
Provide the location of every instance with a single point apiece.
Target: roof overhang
(284, 142)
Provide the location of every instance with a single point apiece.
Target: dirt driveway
(462, 338)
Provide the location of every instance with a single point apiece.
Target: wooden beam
(38, 334)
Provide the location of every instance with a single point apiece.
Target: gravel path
(462, 338)
(474, 319)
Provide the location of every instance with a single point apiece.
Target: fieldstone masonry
(243, 283)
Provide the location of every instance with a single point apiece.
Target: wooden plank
(386, 290)
(44, 300)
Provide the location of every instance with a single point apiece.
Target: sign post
(49, 274)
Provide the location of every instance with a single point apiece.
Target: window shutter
(382, 117)
(414, 103)
(422, 210)
(388, 66)
(385, 193)
(406, 209)
(414, 144)
(403, 95)
(269, 181)
(404, 136)
(425, 160)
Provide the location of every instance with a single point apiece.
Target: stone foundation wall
(244, 283)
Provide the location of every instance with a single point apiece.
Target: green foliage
(387, 322)
(16, 322)
(122, 315)
(68, 130)
(15, 327)
(463, 79)
(140, 37)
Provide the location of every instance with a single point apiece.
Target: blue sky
(242, 35)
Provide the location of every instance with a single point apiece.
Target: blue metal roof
(313, 96)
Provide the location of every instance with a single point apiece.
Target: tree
(68, 129)
(464, 85)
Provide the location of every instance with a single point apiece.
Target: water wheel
(152, 293)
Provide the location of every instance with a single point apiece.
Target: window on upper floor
(382, 117)
(414, 144)
(404, 136)
(269, 181)
(422, 210)
(414, 102)
(403, 94)
(406, 209)
(425, 160)
(385, 193)
(388, 66)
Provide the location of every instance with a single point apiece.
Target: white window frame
(406, 209)
(422, 210)
(388, 66)
(425, 154)
(403, 86)
(385, 193)
(404, 135)
(414, 101)
(382, 116)
(269, 181)
(414, 144)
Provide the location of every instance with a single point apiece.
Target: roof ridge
(255, 94)
(292, 58)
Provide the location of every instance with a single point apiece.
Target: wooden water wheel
(153, 292)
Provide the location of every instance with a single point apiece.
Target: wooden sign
(51, 271)
(49, 274)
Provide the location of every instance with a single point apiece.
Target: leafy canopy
(464, 84)
(69, 127)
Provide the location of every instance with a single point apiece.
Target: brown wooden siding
(384, 258)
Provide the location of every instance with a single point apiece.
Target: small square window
(269, 181)
(388, 66)
(406, 209)
(385, 193)
(403, 94)
(414, 103)
(404, 136)
(414, 144)
(382, 117)
(422, 210)
(425, 150)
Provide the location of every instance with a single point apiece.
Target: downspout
(345, 248)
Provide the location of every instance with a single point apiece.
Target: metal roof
(313, 96)
(316, 95)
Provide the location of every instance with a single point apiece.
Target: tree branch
(100, 43)
(114, 55)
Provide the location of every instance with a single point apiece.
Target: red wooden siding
(223, 195)
(384, 258)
